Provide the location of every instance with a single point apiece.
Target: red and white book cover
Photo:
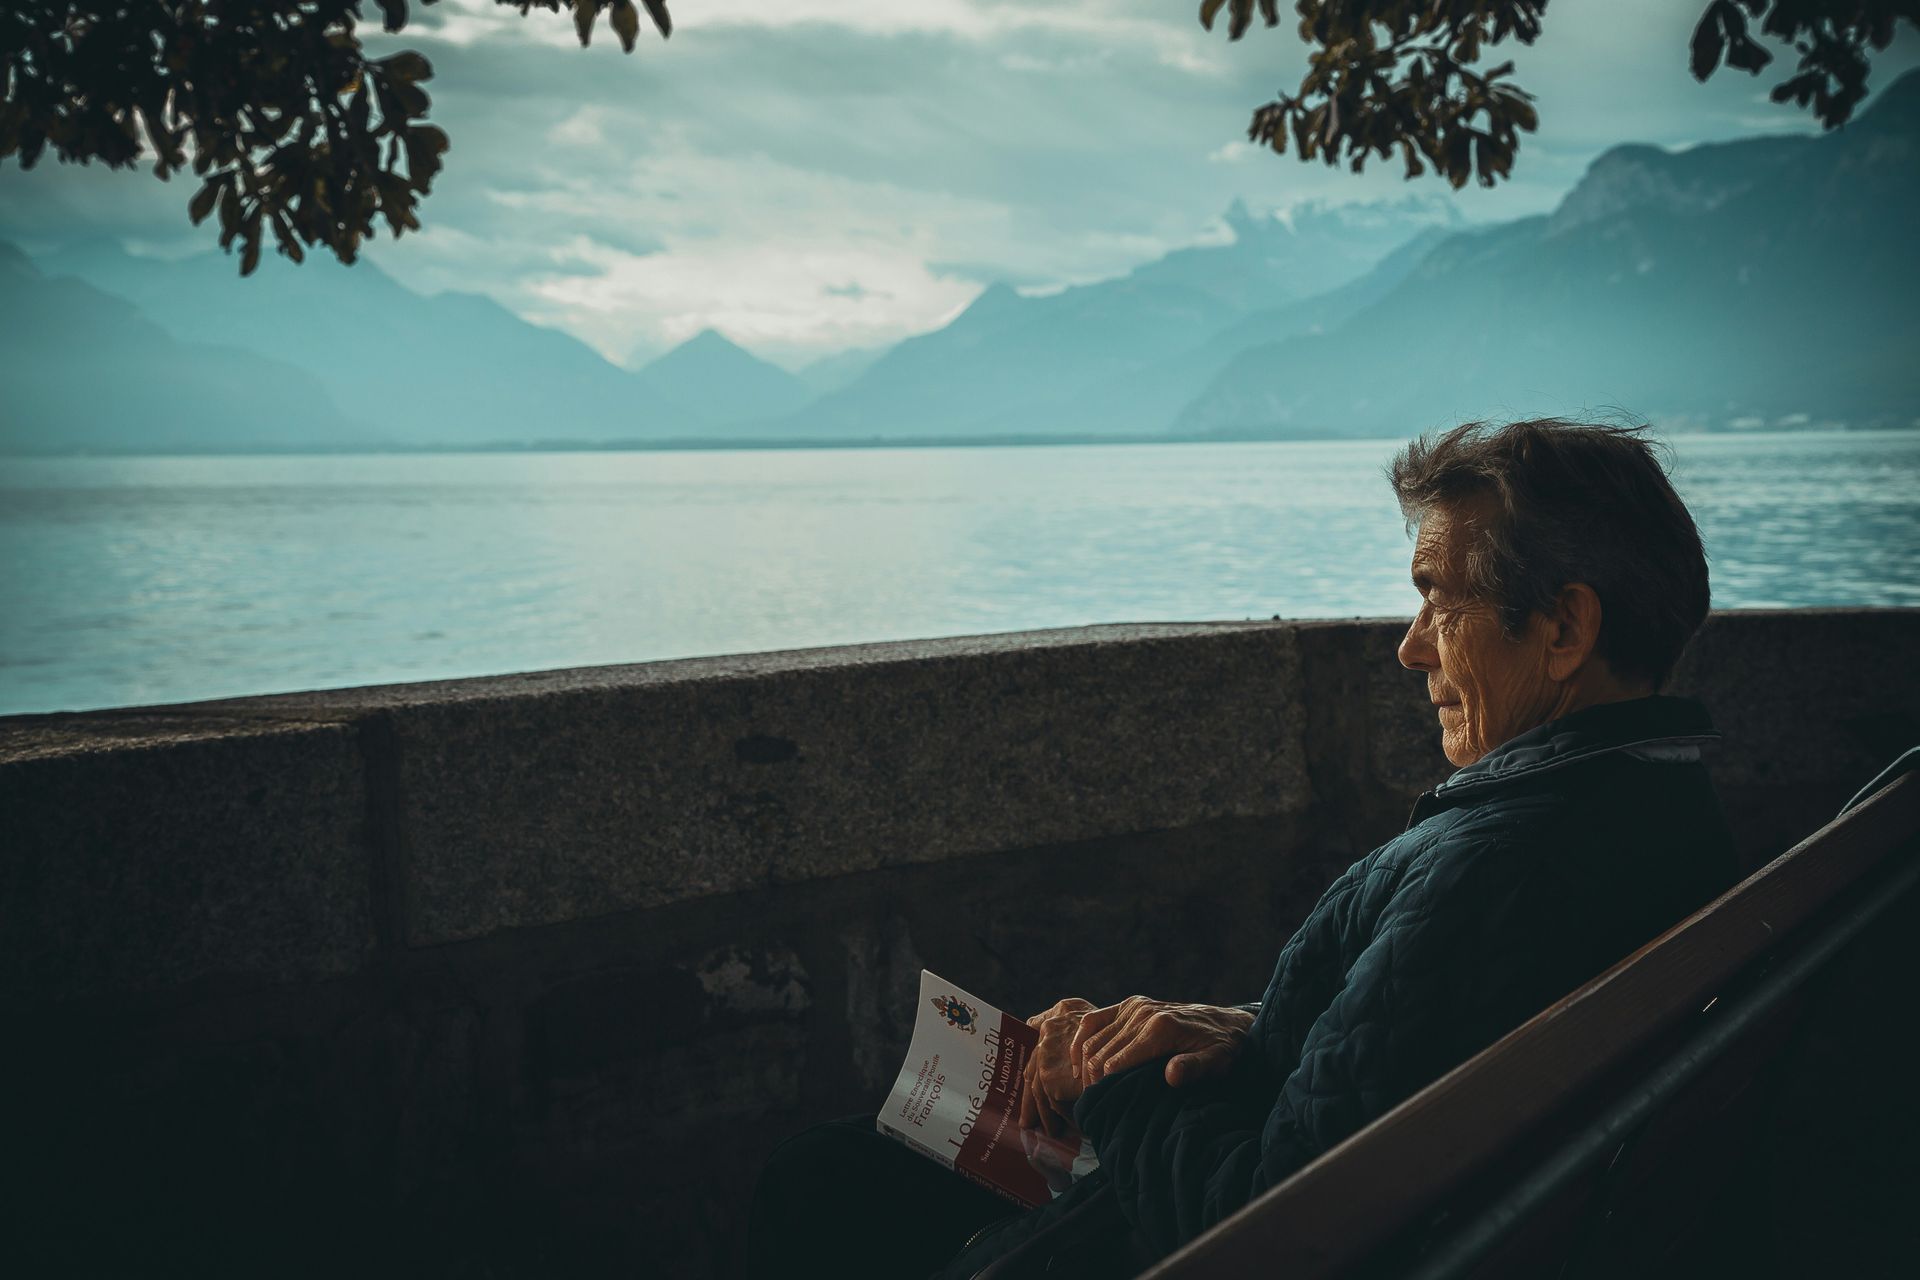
(957, 1100)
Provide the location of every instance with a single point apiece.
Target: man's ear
(1575, 630)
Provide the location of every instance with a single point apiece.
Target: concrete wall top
(657, 785)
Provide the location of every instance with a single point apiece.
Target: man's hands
(1079, 1044)
(1047, 1101)
(1199, 1041)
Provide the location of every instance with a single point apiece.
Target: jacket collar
(1656, 727)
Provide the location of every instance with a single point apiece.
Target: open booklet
(957, 1100)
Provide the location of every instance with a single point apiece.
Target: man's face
(1488, 688)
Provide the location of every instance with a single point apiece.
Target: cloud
(1176, 40)
(766, 297)
(847, 172)
(827, 184)
(581, 129)
(778, 257)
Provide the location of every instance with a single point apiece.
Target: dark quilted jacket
(1518, 879)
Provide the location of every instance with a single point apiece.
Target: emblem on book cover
(958, 1013)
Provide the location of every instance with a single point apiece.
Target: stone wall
(524, 975)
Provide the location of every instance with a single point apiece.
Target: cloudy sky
(815, 176)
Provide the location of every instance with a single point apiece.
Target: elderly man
(1560, 578)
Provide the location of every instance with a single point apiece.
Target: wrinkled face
(1486, 687)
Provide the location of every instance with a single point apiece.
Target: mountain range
(369, 363)
(1770, 281)
(1122, 355)
(455, 368)
(1765, 282)
(85, 370)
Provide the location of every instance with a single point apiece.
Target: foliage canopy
(294, 128)
(1387, 75)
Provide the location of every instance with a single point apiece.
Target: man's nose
(1416, 647)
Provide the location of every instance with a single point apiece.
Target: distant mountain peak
(1239, 220)
(1629, 153)
(724, 381)
(1638, 176)
(713, 339)
(705, 348)
(990, 302)
(1406, 212)
(1897, 108)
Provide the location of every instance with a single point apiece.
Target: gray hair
(1563, 502)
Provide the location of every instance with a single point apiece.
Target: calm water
(128, 581)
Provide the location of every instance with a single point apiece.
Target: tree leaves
(202, 203)
(626, 24)
(291, 122)
(406, 67)
(1398, 76)
(1831, 37)
(1723, 28)
(424, 145)
(396, 14)
(1388, 75)
(1240, 17)
(291, 128)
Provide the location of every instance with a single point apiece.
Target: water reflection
(130, 581)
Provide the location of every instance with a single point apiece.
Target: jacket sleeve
(1444, 973)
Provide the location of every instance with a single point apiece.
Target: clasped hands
(1080, 1044)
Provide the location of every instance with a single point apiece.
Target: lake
(131, 581)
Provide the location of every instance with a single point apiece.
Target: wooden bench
(1592, 1140)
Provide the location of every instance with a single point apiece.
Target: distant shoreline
(692, 444)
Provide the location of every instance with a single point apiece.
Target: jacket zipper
(980, 1232)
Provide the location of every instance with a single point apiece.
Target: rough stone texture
(147, 856)
(1811, 704)
(771, 665)
(44, 737)
(1807, 696)
(570, 803)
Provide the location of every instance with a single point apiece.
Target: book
(957, 1100)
